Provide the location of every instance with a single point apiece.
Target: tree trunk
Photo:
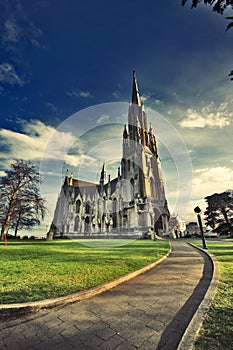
(16, 229)
(5, 225)
(17, 224)
(8, 216)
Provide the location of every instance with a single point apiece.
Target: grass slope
(37, 270)
(217, 330)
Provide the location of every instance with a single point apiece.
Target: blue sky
(61, 57)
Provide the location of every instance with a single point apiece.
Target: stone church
(133, 205)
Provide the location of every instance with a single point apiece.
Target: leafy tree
(219, 6)
(219, 212)
(20, 202)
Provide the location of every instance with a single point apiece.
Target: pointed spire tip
(135, 92)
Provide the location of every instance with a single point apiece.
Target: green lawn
(217, 330)
(37, 270)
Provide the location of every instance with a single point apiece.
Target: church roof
(70, 181)
(83, 187)
(113, 184)
(81, 183)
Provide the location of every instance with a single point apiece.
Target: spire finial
(135, 93)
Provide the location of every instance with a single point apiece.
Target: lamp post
(198, 211)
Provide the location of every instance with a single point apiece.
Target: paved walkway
(150, 311)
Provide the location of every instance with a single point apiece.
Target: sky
(65, 83)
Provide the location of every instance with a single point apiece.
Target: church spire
(135, 92)
(102, 175)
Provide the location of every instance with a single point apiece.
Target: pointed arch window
(87, 224)
(152, 188)
(76, 224)
(78, 205)
(87, 208)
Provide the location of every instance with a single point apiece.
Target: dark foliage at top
(219, 6)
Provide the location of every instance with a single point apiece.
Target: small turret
(102, 176)
(71, 179)
(125, 134)
(109, 187)
(119, 172)
(66, 181)
(151, 129)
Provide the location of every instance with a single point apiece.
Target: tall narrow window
(78, 204)
(76, 224)
(87, 208)
(152, 188)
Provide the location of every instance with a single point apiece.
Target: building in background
(192, 229)
(131, 205)
(177, 226)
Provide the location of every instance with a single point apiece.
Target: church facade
(131, 205)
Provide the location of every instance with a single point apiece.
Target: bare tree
(27, 215)
(20, 202)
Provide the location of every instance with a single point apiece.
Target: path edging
(22, 308)
(188, 340)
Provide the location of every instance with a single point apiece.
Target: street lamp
(198, 211)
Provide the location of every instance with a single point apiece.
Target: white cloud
(103, 119)
(30, 144)
(210, 116)
(78, 93)
(51, 106)
(11, 32)
(34, 33)
(116, 94)
(18, 27)
(207, 181)
(80, 160)
(122, 118)
(9, 76)
(87, 160)
(144, 98)
(84, 94)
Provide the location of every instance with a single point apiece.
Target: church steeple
(135, 92)
(102, 175)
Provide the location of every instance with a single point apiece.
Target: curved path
(151, 311)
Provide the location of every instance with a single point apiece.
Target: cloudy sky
(65, 82)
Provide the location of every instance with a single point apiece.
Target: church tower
(141, 164)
